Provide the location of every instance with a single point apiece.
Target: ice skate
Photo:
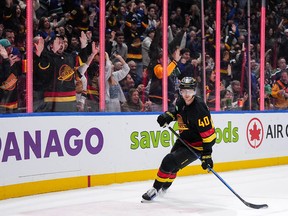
(149, 195)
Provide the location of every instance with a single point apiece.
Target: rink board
(45, 153)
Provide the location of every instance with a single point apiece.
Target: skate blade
(146, 201)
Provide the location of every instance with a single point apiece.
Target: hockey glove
(165, 118)
(206, 160)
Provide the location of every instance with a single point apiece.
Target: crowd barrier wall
(42, 153)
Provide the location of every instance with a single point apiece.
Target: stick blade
(255, 206)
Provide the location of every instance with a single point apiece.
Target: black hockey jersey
(195, 124)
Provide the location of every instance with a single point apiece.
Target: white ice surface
(194, 195)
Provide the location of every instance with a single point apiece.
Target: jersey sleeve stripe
(209, 139)
(207, 133)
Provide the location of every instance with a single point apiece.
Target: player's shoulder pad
(201, 104)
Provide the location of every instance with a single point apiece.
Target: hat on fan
(134, 20)
(151, 29)
(5, 43)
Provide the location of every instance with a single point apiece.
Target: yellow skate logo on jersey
(10, 83)
(65, 73)
(181, 124)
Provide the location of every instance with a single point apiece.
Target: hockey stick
(255, 206)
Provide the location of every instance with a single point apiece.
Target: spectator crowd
(66, 54)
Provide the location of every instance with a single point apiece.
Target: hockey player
(196, 129)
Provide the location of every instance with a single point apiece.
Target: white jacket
(118, 76)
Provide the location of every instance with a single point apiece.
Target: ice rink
(193, 195)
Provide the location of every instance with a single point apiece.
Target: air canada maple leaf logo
(255, 132)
